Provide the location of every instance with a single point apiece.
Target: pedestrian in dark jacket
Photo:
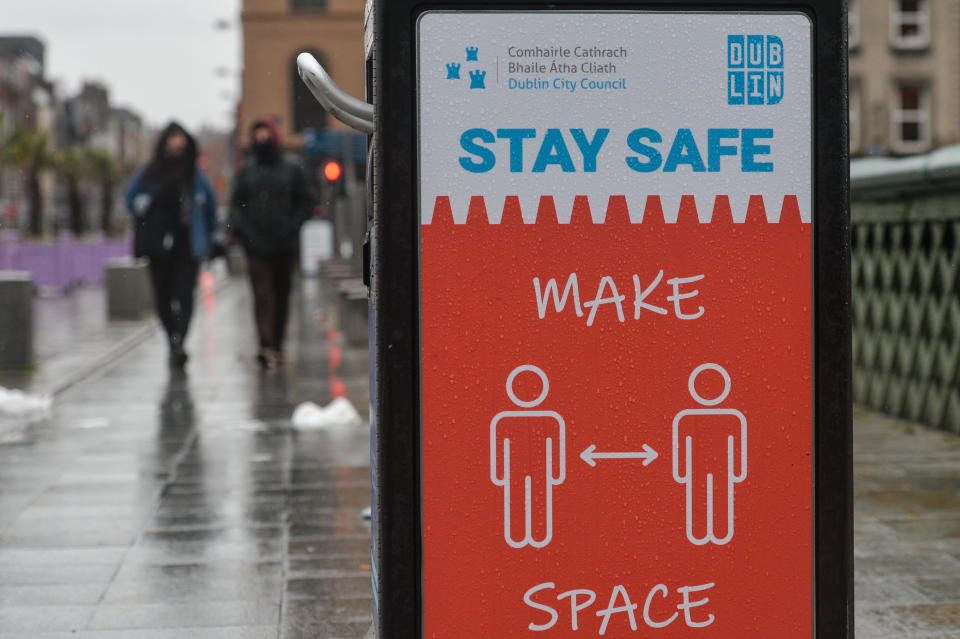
(271, 199)
(175, 223)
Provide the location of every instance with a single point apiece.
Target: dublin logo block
(472, 54)
(476, 79)
(453, 71)
(754, 69)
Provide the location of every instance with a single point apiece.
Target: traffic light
(331, 179)
(332, 171)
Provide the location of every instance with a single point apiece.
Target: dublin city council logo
(477, 76)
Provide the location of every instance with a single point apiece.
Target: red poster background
(618, 387)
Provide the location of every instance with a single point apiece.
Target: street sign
(630, 247)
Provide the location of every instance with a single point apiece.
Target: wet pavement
(73, 337)
(67, 351)
(155, 506)
(907, 530)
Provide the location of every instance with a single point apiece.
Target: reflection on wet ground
(186, 506)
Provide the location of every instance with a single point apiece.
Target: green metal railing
(906, 286)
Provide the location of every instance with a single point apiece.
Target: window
(308, 5)
(854, 117)
(853, 25)
(910, 118)
(307, 112)
(910, 24)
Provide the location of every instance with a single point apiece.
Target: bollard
(331, 274)
(129, 294)
(16, 319)
(610, 295)
(353, 311)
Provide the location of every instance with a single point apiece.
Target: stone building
(274, 32)
(904, 75)
(21, 71)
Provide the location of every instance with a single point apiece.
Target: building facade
(904, 75)
(64, 157)
(274, 33)
(27, 102)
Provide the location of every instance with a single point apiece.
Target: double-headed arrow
(589, 456)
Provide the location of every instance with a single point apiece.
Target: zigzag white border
(637, 207)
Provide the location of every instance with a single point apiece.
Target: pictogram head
(543, 391)
(691, 384)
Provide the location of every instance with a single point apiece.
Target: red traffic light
(331, 171)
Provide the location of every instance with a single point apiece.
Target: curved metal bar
(352, 112)
(313, 73)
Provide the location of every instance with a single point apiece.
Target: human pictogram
(527, 458)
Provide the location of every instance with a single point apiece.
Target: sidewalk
(907, 530)
(152, 506)
(74, 338)
(155, 507)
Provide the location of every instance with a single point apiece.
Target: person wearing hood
(175, 226)
(271, 198)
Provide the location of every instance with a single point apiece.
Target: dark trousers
(174, 277)
(271, 278)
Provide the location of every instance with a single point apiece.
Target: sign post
(610, 281)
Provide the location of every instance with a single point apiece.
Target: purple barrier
(86, 258)
(45, 262)
(9, 250)
(122, 247)
(64, 262)
(65, 255)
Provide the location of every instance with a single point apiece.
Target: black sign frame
(395, 299)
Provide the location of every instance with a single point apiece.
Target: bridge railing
(906, 286)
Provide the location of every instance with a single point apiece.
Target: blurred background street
(143, 502)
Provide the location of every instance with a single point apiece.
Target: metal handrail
(349, 110)
(887, 177)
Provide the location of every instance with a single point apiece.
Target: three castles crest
(477, 76)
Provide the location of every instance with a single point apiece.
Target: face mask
(263, 149)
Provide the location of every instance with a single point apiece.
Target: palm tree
(107, 171)
(30, 152)
(74, 165)
(4, 141)
(5, 154)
